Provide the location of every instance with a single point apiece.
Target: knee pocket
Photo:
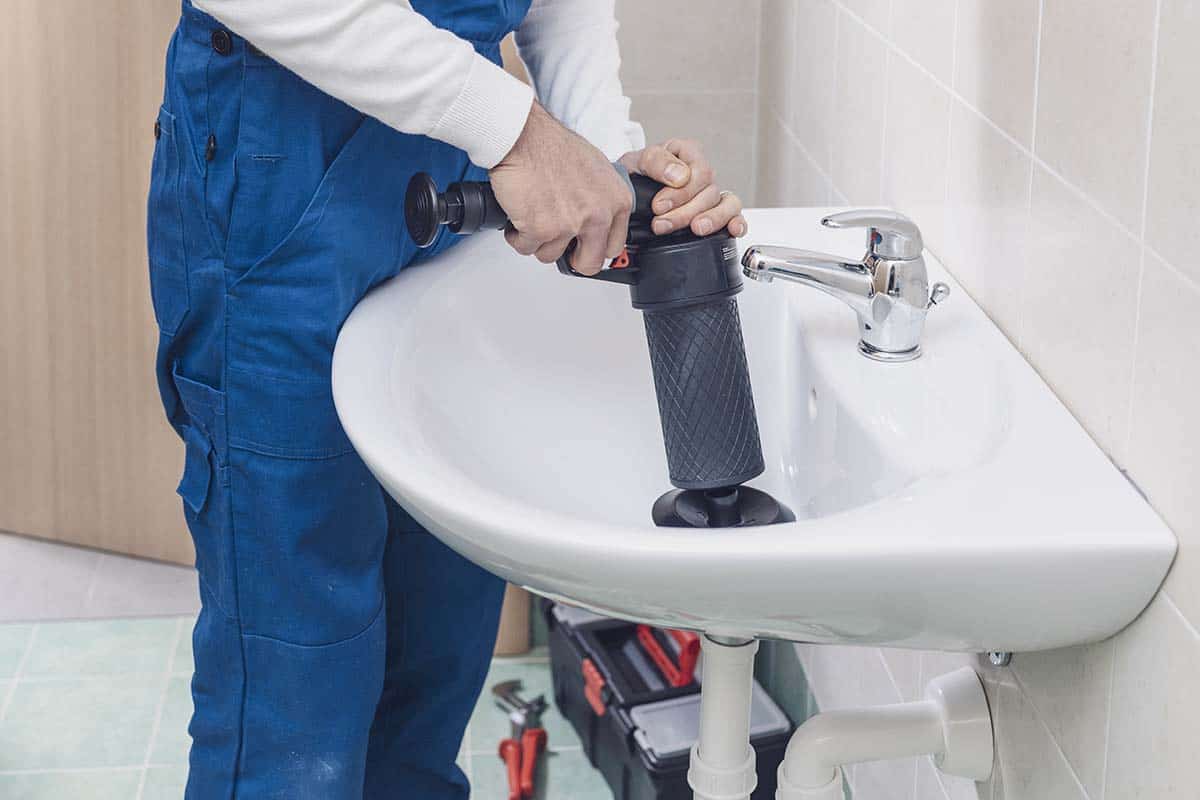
(309, 542)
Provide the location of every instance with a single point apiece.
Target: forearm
(388, 61)
(570, 48)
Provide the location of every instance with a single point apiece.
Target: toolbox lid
(573, 617)
(668, 728)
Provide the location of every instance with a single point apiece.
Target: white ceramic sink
(948, 503)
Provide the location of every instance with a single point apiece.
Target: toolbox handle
(677, 675)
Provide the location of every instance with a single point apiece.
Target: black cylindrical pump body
(685, 285)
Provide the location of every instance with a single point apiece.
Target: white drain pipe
(723, 764)
(952, 724)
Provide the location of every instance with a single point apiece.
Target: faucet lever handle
(889, 233)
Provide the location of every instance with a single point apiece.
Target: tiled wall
(1050, 151)
(681, 90)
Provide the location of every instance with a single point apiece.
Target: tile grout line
(803, 150)
(162, 702)
(1033, 167)
(891, 678)
(8, 773)
(1037, 77)
(92, 578)
(887, 106)
(950, 129)
(754, 154)
(631, 93)
(1112, 678)
(1024, 149)
(1179, 611)
(1141, 280)
(1020, 686)
(833, 97)
(18, 673)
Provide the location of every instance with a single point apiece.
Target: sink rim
(845, 538)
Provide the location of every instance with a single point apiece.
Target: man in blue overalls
(341, 648)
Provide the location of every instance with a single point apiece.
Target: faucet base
(888, 356)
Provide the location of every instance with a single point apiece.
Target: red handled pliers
(520, 752)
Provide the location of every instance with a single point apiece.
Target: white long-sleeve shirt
(388, 61)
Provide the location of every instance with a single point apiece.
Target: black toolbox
(636, 728)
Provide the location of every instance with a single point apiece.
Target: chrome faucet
(888, 289)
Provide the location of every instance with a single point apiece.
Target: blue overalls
(340, 648)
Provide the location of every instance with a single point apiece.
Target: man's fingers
(523, 243)
(708, 198)
(616, 236)
(550, 252)
(662, 165)
(702, 176)
(729, 208)
(738, 226)
(588, 256)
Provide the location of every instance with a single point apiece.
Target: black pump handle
(469, 206)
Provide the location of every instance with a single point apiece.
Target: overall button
(222, 42)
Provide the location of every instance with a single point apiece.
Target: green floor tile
(489, 724)
(172, 743)
(165, 783)
(71, 724)
(13, 641)
(184, 658)
(104, 785)
(561, 776)
(106, 647)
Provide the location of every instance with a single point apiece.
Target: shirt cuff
(488, 115)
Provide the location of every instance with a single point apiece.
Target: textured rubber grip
(704, 398)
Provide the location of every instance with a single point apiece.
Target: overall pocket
(164, 229)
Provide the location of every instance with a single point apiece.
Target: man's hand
(556, 187)
(691, 198)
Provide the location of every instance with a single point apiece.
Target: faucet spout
(851, 282)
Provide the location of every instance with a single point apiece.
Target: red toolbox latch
(680, 674)
(593, 687)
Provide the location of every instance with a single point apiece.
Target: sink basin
(949, 503)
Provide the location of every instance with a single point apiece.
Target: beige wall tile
(1049, 267)
(884, 780)
(996, 60)
(813, 82)
(1069, 688)
(688, 45)
(987, 217)
(847, 677)
(1164, 441)
(1155, 697)
(925, 30)
(777, 52)
(1082, 269)
(905, 669)
(954, 788)
(723, 123)
(927, 786)
(916, 143)
(858, 115)
(1094, 96)
(872, 12)
(786, 176)
(1173, 224)
(1028, 761)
